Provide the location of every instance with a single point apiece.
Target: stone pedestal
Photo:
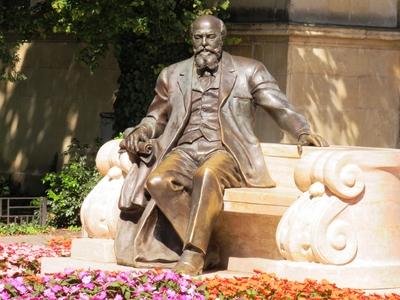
(334, 215)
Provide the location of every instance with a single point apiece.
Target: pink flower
(86, 279)
(118, 297)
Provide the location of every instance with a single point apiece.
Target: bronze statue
(196, 140)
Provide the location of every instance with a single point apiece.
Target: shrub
(24, 228)
(68, 188)
(5, 189)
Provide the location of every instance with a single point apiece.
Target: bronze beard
(207, 59)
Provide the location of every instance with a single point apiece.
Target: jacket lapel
(185, 82)
(228, 78)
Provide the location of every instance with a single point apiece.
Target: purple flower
(49, 294)
(100, 296)
(89, 286)
(69, 271)
(83, 296)
(56, 288)
(169, 275)
(171, 294)
(118, 297)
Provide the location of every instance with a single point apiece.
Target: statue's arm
(267, 94)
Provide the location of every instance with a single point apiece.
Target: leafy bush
(5, 190)
(68, 188)
(24, 228)
(144, 37)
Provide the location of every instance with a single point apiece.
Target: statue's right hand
(131, 142)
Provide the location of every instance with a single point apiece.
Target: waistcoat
(203, 121)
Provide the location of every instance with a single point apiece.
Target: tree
(145, 35)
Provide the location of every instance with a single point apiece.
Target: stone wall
(380, 13)
(377, 13)
(60, 100)
(346, 81)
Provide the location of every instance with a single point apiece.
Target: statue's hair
(221, 24)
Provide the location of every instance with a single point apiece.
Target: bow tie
(206, 72)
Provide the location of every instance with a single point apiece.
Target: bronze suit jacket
(245, 84)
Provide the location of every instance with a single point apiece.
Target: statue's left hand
(310, 139)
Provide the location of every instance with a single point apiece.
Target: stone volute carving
(99, 211)
(317, 227)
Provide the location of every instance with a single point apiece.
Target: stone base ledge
(380, 278)
(51, 265)
(91, 249)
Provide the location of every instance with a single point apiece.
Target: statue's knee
(155, 183)
(205, 173)
(158, 185)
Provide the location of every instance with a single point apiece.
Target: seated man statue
(201, 121)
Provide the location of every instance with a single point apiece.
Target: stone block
(308, 11)
(383, 13)
(241, 50)
(258, 10)
(258, 52)
(377, 92)
(92, 249)
(382, 62)
(338, 11)
(359, 11)
(327, 59)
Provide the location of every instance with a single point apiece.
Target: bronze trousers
(189, 192)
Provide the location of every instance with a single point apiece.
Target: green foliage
(68, 188)
(145, 36)
(5, 189)
(24, 228)
(119, 135)
(74, 228)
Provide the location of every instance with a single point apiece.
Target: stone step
(260, 201)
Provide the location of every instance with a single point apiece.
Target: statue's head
(208, 33)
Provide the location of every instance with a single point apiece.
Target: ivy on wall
(144, 35)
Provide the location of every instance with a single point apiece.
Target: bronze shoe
(190, 263)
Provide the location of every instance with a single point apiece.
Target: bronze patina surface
(196, 140)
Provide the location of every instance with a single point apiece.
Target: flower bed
(158, 284)
(268, 286)
(20, 259)
(101, 285)
(19, 279)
